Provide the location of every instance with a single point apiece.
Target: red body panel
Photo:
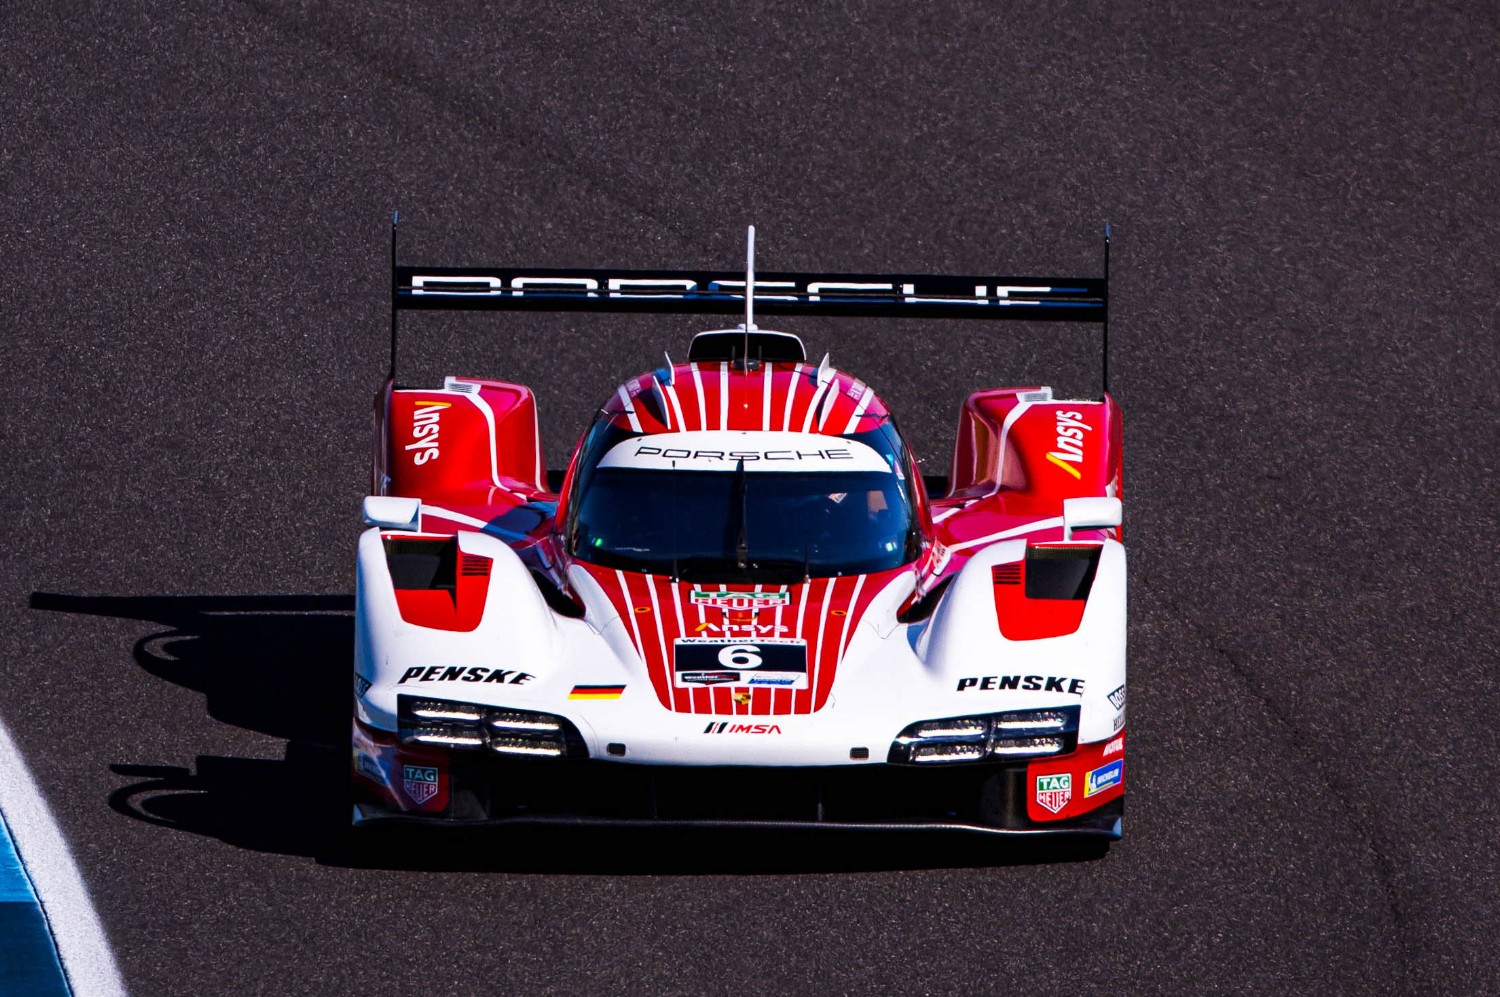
(459, 609)
(471, 453)
(380, 769)
(1015, 462)
(791, 397)
(823, 612)
(1021, 618)
(1077, 799)
(473, 444)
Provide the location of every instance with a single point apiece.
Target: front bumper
(475, 790)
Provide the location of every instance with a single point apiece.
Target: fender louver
(1006, 574)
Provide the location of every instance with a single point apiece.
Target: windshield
(732, 526)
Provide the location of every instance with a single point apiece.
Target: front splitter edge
(365, 815)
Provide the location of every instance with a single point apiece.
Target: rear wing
(716, 292)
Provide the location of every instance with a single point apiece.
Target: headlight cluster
(1016, 734)
(441, 723)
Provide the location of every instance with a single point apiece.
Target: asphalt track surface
(194, 202)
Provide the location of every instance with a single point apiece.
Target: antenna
(395, 217)
(1105, 365)
(749, 292)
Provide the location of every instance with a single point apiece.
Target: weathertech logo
(725, 727)
(1070, 430)
(424, 431)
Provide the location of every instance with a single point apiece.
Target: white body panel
(892, 675)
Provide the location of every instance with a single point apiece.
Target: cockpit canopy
(744, 505)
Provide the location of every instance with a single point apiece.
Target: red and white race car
(741, 605)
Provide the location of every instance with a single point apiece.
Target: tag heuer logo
(420, 782)
(1054, 791)
(739, 600)
(1117, 698)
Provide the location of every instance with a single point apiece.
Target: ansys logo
(424, 431)
(1070, 430)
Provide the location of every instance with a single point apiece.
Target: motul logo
(1070, 430)
(424, 431)
(725, 727)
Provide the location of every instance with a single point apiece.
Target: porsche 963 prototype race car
(741, 605)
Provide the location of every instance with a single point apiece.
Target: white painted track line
(82, 947)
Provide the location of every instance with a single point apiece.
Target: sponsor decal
(941, 555)
(1104, 777)
(599, 284)
(735, 456)
(370, 767)
(1117, 698)
(724, 599)
(1054, 791)
(748, 629)
(707, 678)
(786, 680)
(361, 685)
(771, 658)
(1023, 683)
(1070, 430)
(596, 692)
(725, 727)
(758, 452)
(424, 431)
(1119, 721)
(1113, 748)
(420, 782)
(461, 673)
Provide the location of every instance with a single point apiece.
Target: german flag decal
(596, 692)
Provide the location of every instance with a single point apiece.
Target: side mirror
(391, 513)
(1088, 514)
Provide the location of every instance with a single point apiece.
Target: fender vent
(1006, 574)
(472, 564)
(422, 563)
(1061, 572)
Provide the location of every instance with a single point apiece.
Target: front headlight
(1015, 734)
(518, 733)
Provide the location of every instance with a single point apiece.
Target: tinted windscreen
(701, 525)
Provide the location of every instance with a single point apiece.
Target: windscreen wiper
(742, 544)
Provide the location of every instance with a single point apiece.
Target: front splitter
(1107, 828)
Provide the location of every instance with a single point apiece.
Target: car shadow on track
(282, 666)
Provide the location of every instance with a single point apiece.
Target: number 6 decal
(740, 656)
